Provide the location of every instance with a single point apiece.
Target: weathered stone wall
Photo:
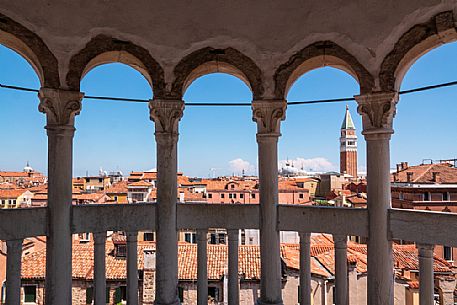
(249, 292)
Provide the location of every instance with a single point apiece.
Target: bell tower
(348, 146)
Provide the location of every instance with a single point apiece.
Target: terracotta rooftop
(140, 183)
(322, 262)
(118, 188)
(424, 173)
(14, 174)
(11, 193)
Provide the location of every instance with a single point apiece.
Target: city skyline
(115, 130)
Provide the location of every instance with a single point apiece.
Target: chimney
(149, 276)
(406, 165)
(436, 177)
(396, 175)
(409, 176)
(399, 167)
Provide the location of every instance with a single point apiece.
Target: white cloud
(318, 164)
(238, 165)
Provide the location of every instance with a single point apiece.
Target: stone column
(446, 286)
(100, 268)
(341, 270)
(305, 269)
(166, 115)
(378, 110)
(202, 267)
(233, 280)
(132, 268)
(268, 115)
(13, 271)
(60, 107)
(426, 284)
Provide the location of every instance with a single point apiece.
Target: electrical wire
(291, 103)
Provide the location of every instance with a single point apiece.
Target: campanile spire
(348, 146)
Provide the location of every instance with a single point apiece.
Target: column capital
(166, 115)
(377, 110)
(268, 115)
(60, 106)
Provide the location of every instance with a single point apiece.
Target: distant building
(92, 183)
(430, 187)
(348, 146)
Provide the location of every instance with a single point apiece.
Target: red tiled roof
(11, 193)
(118, 188)
(14, 174)
(424, 173)
(140, 183)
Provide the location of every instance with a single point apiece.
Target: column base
(260, 302)
(176, 302)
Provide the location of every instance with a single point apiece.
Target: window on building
(190, 237)
(243, 237)
(100, 180)
(400, 196)
(253, 195)
(222, 195)
(445, 196)
(181, 294)
(221, 238)
(210, 196)
(148, 236)
(447, 253)
(108, 295)
(213, 239)
(89, 295)
(241, 196)
(3, 293)
(234, 196)
(138, 196)
(301, 196)
(213, 293)
(84, 237)
(334, 294)
(121, 250)
(87, 180)
(426, 196)
(30, 294)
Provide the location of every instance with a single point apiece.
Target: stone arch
(319, 54)
(30, 46)
(103, 49)
(209, 60)
(417, 41)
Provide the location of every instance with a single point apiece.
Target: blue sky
(221, 140)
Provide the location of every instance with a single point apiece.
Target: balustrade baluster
(132, 268)
(305, 269)
(341, 270)
(100, 268)
(233, 281)
(202, 268)
(13, 272)
(426, 284)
